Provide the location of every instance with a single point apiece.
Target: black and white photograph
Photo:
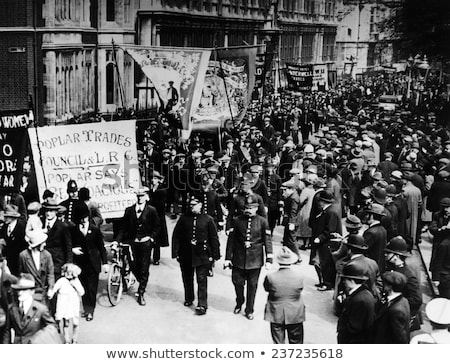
(225, 172)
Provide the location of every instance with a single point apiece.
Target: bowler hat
(379, 195)
(36, 238)
(352, 222)
(326, 196)
(396, 175)
(356, 241)
(397, 245)
(354, 270)
(286, 256)
(438, 311)
(12, 211)
(26, 281)
(83, 194)
(391, 190)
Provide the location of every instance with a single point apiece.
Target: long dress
(414, 198)
(306, 199)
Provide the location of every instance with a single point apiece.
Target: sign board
(13, 146)
(99, 156)
(299, 77)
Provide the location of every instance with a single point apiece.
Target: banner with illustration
(99, 156)
(320, 77)
(177, 75)
(13, 147)
(299, 77)
(227, 88)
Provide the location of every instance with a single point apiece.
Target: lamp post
(410, 66)
(423, 67)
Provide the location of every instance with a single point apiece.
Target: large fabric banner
(299, 77)
(320, 77)
(177, 75)
(227, 89)
(13, 147)
(99, 156)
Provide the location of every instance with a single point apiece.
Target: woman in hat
(285, 309)
(39, 263)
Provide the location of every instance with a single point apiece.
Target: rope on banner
(121, 91)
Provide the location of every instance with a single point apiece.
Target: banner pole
(41, 161)
(119, 80)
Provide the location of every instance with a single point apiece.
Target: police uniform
(248, 245)
(195, 245)
(273, 182)
(72, 205)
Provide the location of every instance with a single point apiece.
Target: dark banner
(260, 75)
(13, 143)
(299, 77)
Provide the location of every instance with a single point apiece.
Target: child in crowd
(34, 221)
(69, 291)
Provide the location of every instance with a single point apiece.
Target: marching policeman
(195, 245)
(273, 183)
(72, 204)
(249, 246)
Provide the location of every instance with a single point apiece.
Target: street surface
(164, 320)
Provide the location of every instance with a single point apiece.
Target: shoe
(249, 316)
(324, 288)
(200, 310)
(141, 300)
(89, 317)
(156, 262)
(84, 314)
(237, 310)
(210, 273)
(188, 303)
(318, 285)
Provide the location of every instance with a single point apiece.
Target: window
(110, 10)
(329, 7)
(373, 20)
(328, 47)
(349, 32)
(310, 6)
(307, 48)
(110, 83)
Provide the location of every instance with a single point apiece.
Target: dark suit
(285, 309)
(94, 255)
(44, 275)
(328, 221)
(260, 188)
(15, 243)
(158, 201)
(386, 167)
(439, 190)
(34, 320)
(291, 210)
(73, 206)
(237, 207)
(134, 229)
(59, 245)
(375, 238)
(391, 324)
(247, 262)
(195, 244)
(356, 319)
(273, 183)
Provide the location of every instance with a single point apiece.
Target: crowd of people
(352, 183)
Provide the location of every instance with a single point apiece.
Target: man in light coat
(285, 309)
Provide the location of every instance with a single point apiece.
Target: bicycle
(120, 276)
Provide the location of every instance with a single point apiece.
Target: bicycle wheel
(115, 284)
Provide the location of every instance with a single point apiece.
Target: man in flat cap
(375, 237)
(249, 247)
(140, 227)
(195, 245)
(290, 214)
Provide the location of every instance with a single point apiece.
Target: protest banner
(227, 88)
(184, 68)
(13, 146)
(99, 156)
(299, 77)
(320, 77)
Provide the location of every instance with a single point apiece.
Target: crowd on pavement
(353, 184)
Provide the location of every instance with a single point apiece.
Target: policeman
(195, 245)
(72, 204)
(249, 246)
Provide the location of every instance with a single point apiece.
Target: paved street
(164, 320)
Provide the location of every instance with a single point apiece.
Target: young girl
(69, 291)
(34, 221)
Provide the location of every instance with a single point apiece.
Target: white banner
(98, 156)
(320, 77)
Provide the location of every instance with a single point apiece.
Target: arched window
(110, 83)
